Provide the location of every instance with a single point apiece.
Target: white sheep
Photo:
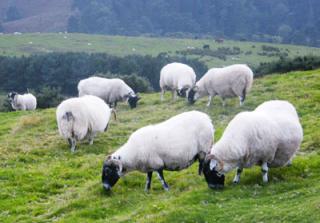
(80, 118)
(110, 90)
(22, 102)
(177, 77)
(230, 81)
(171, 145)
(268, 136)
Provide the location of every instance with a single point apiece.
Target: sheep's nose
(107, 187)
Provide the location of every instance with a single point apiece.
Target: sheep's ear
(213, 164)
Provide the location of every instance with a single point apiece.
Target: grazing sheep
(268, 136)
(231, 81)
(177, 77)
(110, 90)
(171, 145)
(22, 102)
(80, 118)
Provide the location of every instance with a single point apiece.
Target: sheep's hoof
(166, 188)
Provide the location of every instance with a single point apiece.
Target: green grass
(42, 181)
(17, 45)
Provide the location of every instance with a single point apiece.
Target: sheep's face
(133, 100)
(111, 173)
(193, 95)
(214, 179)
(182, 92)
(11, 96)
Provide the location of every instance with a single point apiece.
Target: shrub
(48, 97)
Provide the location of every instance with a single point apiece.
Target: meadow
(250, 52)
(42, 181)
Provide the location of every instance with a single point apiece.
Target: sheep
(110, 90)
(171, 145)
(230, 81)
(22, 102)
(84, 117)
(268, 136)
(177, 77)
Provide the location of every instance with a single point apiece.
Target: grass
(42, 181)
(26, 44)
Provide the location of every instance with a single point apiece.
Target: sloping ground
(37, 15)
(41, 181)
(26, 44)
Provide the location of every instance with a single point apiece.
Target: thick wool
(110, 90)
(270, 134)
(24, 102)
(170, 145)
(80, 118)
(230, 81)
(176, 76)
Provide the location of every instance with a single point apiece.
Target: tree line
(287, 21)
(63, 71)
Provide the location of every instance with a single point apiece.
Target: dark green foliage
(272, 21)
(288, 64)
(65, 70)
(48, 97)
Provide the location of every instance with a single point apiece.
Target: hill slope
(35, 16)
(42, 181)
(251, 53)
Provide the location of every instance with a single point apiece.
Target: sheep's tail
(114, 112)
(68, 116)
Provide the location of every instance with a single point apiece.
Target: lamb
(177, 77)
(110, 90)
(268, 136)
(171, 145)
(80, 118)
(230, 81)
(22, 102)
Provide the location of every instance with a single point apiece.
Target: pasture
(251, 53)
(42, 181)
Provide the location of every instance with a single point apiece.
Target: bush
(285, 64)
(48, 97)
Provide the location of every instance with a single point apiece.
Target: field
(251, 52)
(42, 181)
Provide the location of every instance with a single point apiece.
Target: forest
(285, 21)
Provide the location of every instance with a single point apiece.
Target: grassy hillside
(26, 44)
(41, 181)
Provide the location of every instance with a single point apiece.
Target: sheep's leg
(201, 158)
(223, 102)
(162, 94)
(236, 179)
(91, 137)
(72, 143)
(148, 182)
(115, 104)
(162, 180)
(209, 100)
(264, 170)
(174, 95)
(242, 97)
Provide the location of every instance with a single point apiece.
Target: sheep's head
(133, 100)
(211, 173)
(111, 172)
(182, 92)
(12, 95)
(193, 94)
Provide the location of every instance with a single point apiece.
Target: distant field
(42, 181)
(26, 44)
